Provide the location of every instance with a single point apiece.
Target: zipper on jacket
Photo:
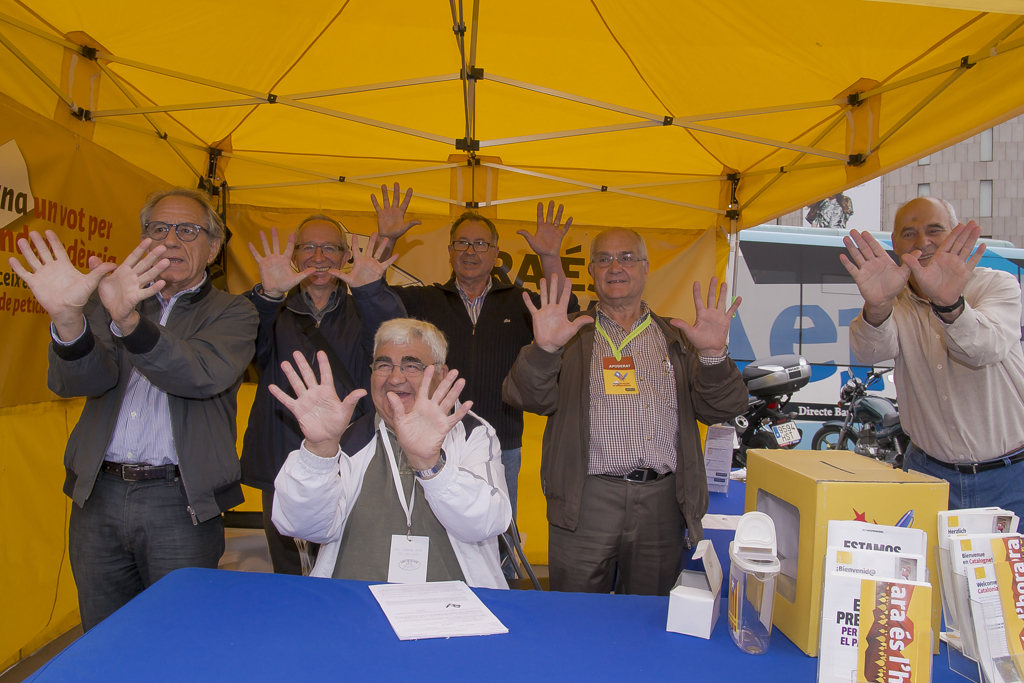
(195, 520)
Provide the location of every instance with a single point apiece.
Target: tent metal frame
(469, 76)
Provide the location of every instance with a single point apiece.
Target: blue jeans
(128, 536)
(512, 459)
(1003, 487)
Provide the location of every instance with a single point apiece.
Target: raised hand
(367, 265)
(422, 430)
(943, 278)
(57, 285)
(710, 330)
(551, 325)
(277, 275)
(878, 277)
(131, 282)
(547, 241)
(322, 416)
(391, 221)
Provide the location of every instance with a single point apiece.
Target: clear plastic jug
(755, 566)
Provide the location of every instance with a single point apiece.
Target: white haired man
(159, 353)
(354, 489)
(954, 331)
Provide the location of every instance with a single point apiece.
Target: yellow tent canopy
(656, 113)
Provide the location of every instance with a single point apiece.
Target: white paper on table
(442, 609)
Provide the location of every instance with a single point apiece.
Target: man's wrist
(127, 325)
(322, 449)
(876, 315)
(433, 470)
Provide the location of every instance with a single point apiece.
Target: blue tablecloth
(208, 625)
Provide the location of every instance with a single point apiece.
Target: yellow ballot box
(802, 490)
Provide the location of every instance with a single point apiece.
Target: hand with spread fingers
(367, 265)
(878, 277)
(942, 278)
(56, 283)
(422, 430)
(552, 328)
(133, 281)
(710, 330)
(547, 240)
(391, 222)
(277, 274)
(322, 416)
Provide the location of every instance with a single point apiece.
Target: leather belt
(641, 475)
(140, 472)
(975, 467)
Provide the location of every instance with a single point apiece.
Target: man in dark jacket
(622, 467)
(320, 314)
(485, 320)
(159, 353)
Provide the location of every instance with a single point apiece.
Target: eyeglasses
(186, 232)
(409, 368)
(478, 246)
(627, 260)
(308, 249)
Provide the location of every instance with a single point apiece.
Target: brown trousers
(629, 538)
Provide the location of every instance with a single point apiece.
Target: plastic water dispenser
(755, 566)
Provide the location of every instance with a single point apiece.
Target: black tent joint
(341, 179)
(472, 161)
(476, 73)
(211, 168)
(604, 188)
(472, 205)
(733, 214)
(857, 159)
(733, 178)
(81, 114)
(89, 52)
(271, 98)
(853, 99)
(966, 63)
(162, 136)
(459, 29)
(667, 121)
(467, 145)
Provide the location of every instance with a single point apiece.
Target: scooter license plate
(786, 434)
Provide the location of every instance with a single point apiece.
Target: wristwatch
(432, 472)
(947, 309)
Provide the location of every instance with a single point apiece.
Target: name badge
(619, 375)
(408, 563)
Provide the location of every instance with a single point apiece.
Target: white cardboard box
(693, 604)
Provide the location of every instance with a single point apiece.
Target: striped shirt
(473, 306)
(631, 431)
(143, 433)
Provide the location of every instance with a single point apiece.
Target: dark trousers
(128, 536)
(284, 554)
(629, 538)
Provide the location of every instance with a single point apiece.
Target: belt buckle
(130, 472)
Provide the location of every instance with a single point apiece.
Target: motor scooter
(771, 383)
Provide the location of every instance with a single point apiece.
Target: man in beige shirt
(954, 331)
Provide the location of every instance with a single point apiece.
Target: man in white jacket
(353, 488)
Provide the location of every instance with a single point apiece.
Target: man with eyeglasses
(484, 319)
(411, 492)
(159, 353)
(622, 465)
(308, 304)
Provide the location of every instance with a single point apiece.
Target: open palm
(547, 241)
(878, 277)
(367, 265)
(422, 430)
(943, 279)
(134, 280)
(391, 221)
(277, 275)
(321, 415)
(710, 329)
(552, 328)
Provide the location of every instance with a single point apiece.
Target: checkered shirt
(631, 431)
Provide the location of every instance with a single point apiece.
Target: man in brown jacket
(622, 467)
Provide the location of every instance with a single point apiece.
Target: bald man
(955, 333)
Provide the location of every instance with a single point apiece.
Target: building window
(924, 190)
(924, 161)
(986, 145)
(985, 201)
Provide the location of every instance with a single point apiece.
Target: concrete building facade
(982, 177)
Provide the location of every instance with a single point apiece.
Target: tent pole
(38, 72)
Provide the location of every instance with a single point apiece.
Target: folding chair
(525, 579)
